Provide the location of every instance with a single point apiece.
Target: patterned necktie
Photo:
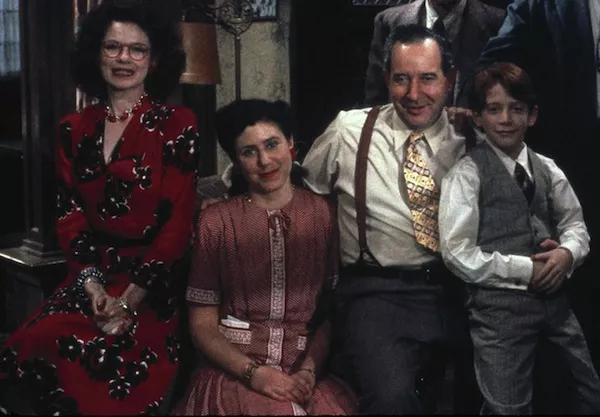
(423, 195)
(524, 182)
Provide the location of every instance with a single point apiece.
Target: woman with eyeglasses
(104, 343)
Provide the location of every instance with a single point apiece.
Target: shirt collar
(594, 7)
(434, 134)
(508, 162)
(452, 20)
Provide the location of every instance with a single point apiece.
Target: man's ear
(451, 78)
(532, 118)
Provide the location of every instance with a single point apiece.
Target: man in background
(467, 24)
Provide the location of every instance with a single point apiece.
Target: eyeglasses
(137, 51)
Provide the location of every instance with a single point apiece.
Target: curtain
(10, 54)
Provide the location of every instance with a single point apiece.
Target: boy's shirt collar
(508, 162)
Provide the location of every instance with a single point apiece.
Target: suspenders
(360, 177)
(360, 184)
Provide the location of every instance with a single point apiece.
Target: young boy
(512, 227)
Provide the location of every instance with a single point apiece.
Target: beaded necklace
(112, 117)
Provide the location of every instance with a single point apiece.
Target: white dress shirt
(331, 164)
(451, 21)
(459, 225)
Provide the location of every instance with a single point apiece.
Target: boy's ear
(532, 118)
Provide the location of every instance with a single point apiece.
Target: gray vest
(507, 223)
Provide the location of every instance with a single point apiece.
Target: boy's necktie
(524, 182)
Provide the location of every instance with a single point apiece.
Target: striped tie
(524, 182)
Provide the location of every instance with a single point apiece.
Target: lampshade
(202, 57)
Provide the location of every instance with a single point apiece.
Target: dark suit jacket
(552, 40)
(479, 23)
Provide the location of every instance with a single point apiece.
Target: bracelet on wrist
(86, 275)
(249, 371)
(313, 373)
(91, 279)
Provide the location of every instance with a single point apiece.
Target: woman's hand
(114, 327)
(98, 297)
(109, 314)
(280, 386)
(307, 379)
(107, 308)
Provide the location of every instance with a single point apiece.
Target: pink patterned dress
(266, 268)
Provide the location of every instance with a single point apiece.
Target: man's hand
(550, 278)
(458, 116)
(548, 244)
(278, 385)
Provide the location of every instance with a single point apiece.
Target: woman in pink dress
(265, 263)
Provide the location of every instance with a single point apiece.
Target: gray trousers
(398, 335)
(505, 327)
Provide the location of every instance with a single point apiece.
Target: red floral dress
(132, 219)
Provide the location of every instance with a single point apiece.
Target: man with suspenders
(402, 309)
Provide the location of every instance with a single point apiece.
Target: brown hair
(154, 20)
(513, 78)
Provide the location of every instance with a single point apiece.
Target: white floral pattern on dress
(277, 266)
(275, 346)
(197, 295)
(238, 336)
